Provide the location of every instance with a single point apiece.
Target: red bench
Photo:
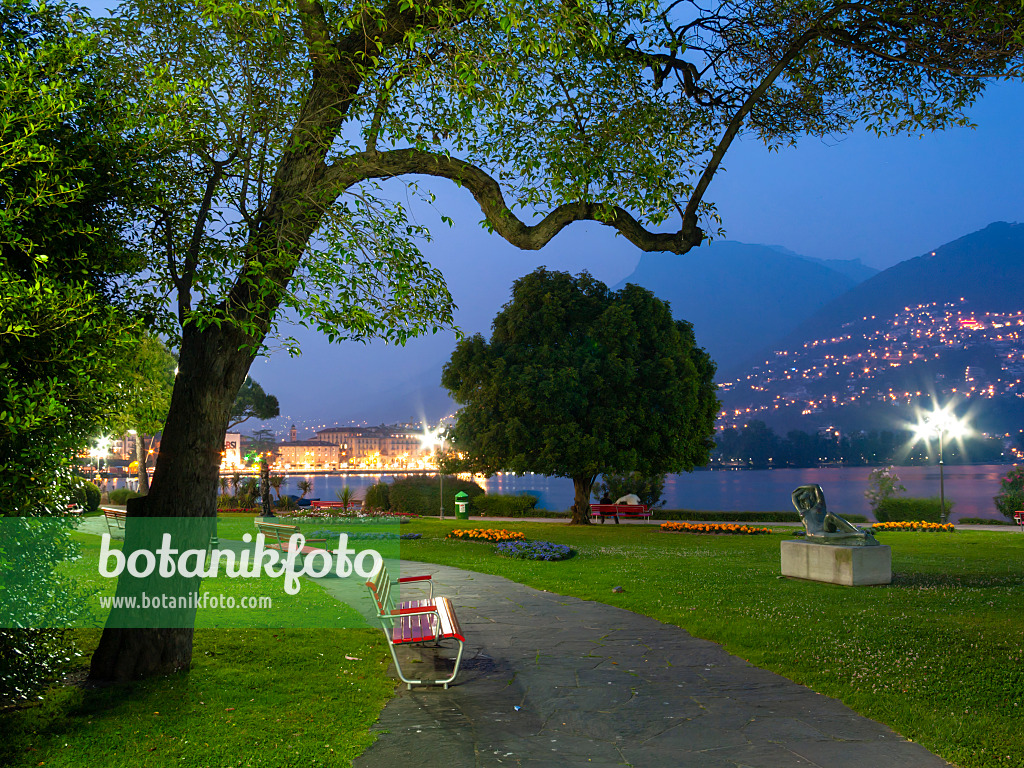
(414, 622)
(619, 510)
(317, 504)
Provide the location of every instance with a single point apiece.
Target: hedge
(419, 495)
(499, 505)
(121, 495)
(908, 509)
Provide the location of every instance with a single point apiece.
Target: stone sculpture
(824, 527)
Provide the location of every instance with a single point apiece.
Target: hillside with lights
(943, 330)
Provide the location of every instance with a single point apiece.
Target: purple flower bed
(533, 550)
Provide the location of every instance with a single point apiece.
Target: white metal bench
(414, 622)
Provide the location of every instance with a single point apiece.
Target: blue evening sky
(880, 200)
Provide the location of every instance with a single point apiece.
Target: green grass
(938, 655)
(254, 698)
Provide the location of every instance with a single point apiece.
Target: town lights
(940, 423)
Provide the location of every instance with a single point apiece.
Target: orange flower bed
(713, 528)
(485, 534)
(910, 526)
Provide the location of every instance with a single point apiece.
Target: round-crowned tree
(576, 381)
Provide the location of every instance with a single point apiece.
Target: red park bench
(414, 622)
(619, 510)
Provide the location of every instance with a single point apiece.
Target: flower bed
(485, 534)
(329, 535)
(714, 528)
(913, 526)
(533, 550)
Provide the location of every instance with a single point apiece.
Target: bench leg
(458, 660)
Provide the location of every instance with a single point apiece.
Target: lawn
(938, 656)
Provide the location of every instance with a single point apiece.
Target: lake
(969, 488)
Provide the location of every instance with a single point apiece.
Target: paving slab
(549, 680)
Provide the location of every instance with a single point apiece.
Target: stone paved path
(549, 680)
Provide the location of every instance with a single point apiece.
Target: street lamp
(434, 439)
(940, 423)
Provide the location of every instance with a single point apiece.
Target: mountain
(943, 328)
(741, 297)
(985, 269)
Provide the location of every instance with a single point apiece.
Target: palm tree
(275, 482)
(345, 496)
(305, 486)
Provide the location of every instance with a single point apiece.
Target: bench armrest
(414, 578)
(408, 611)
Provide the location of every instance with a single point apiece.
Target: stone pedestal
(850, 566)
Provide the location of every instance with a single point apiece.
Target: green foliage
(377, 497)
(908, 509)
(576, 380)
(252, 401)
(86, 494)
(345, 496)
(883, 484)
(121, 495)
(419, 495)
(648, 488)
(499, 505)
(30, 659)
(1011, 498)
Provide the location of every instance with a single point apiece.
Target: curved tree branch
(487, 192)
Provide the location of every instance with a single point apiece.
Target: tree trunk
(211, 369)
(140, 459)
(581, 502)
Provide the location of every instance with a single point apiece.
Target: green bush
(86, 495)
(418, 495)
(377, 497)
(1012, 497)
(121, 495)
(499, 505)
(909, 509)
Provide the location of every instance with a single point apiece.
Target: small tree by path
(883, 483)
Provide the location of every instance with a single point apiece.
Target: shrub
(377, 497)
(883, 483)
(419, 495)
(121, 495)
(86, 495)
(909, 508)
(533, 550)
(1012, 497)
(498, 505)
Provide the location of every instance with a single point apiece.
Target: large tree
(618, 112)
(577, 381)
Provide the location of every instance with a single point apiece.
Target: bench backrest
(379, 585)
(277, 531)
